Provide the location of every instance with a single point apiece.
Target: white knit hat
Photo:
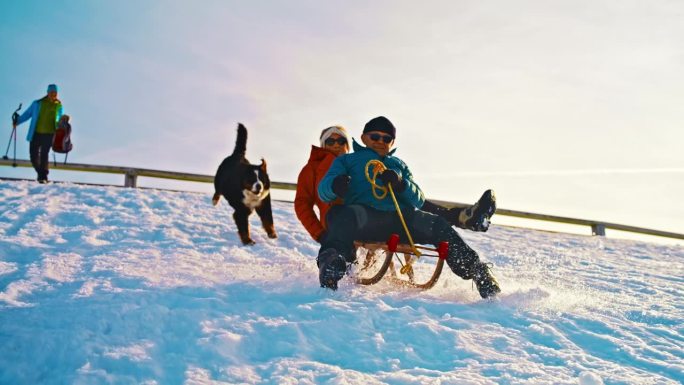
(339, 130)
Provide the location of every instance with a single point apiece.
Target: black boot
(485, 281)
(476, 217)
(331, 268)
(42, 177)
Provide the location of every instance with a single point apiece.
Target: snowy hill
(104, 285)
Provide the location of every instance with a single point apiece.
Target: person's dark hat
(52, 88)
(381, 124)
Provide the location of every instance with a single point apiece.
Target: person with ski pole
(44, 114)
(366, 215)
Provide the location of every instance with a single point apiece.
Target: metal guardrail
(131, 175)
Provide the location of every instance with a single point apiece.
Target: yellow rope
(379, 167)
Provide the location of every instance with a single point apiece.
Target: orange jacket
(307, 192)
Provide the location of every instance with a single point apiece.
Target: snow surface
(105, 285)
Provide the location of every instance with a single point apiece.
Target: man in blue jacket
(363, 216)
(44, 114)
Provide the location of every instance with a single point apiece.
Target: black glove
(340, 185)
(390, 177)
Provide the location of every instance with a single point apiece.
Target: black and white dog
(246, 187)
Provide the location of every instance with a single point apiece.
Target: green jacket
(33, 113)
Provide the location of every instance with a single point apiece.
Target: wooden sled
(375, 259)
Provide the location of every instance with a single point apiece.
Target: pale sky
(570, 108)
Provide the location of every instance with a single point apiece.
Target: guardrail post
(130, 178)
(598, 229)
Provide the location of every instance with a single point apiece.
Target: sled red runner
(375, 259)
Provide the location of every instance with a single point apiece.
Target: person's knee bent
(461, 258)
(342, 222)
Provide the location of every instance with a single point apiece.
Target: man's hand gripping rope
(378, 168)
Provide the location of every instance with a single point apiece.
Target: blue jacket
(32, 113)
(360, 190)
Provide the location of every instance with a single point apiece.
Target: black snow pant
(363, 223)
(39, 151)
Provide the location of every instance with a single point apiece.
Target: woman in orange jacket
(334, 142)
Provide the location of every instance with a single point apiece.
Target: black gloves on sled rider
(390, 177)
(340, 185)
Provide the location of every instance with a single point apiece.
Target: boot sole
(490, 207)
(486, 207)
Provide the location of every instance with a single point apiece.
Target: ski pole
(15, 118)
(14, 161)
(14, 129)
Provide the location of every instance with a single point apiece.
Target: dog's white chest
(253, 200)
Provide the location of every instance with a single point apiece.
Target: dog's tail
(241, 141)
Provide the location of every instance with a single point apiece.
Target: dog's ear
(263, 165)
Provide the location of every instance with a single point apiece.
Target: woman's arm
(305, 199)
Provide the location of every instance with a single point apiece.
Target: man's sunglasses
(331, 141)
(385, 138)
